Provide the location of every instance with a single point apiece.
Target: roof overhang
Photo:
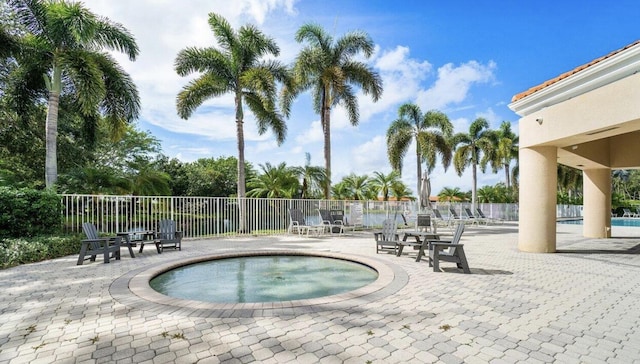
(610, 69)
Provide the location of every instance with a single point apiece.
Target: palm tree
(65, 42)
(383, 183)
(569, 180)
(507, 149)
(400, 191)
(451, 194)
(340, 191)
(329, 69)
(274, 182)
(359, 187)
(313, 178)
(430, 132)
(470, 147)
(236, 67)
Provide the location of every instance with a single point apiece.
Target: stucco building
(589, 119)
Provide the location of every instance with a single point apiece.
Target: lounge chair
(628, 213)
(449, 251)
(453, 215)
(339, 218)
(439, 220)
(488, 219)
(387, 239)
(167, 236)
(473, 218)
(95, 244)
(298, 223)
(333, 220)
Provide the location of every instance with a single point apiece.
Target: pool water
(619, 221)
(263, 279)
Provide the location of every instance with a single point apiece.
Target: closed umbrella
(425, 192)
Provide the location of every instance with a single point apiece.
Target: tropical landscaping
(68, 116)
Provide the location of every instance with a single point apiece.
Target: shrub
(28, 250)
(27, 212)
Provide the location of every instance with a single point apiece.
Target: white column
(537, 212)
(597, 203)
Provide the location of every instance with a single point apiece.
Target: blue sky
(465, 58)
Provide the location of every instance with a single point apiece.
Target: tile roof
(570, 73)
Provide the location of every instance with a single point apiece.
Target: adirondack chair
(449, 251)
(94, 245)
(387, 239)
(167, 236)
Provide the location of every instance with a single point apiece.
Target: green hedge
(28, 250)
(27, 212)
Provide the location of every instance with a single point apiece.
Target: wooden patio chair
(94, 245)
(387, 239)
(449, 251)
(167, 236)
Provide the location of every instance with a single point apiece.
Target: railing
(202, 217)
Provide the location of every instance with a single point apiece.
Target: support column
(597, 203)
(538, 186)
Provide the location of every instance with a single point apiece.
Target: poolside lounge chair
(453, 215)
(338, 217)
(387, 239)
(449, 251)
(298, 223)
(488, 219)
(473, 218)
(439, 220)
(334, 221)
(167, 236)
(628, 213)
(94, 245)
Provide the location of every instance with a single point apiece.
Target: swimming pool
(616, 221)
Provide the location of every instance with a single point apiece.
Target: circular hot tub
(264, 278)
(135, 288)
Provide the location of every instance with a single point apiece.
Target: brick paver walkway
(580, 305)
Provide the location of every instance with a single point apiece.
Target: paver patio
(576, 306)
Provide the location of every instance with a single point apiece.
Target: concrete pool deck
(577, 306)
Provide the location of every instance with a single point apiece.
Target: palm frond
(87, 77)
(222, 31)
(115, 36)
(365, 77)
(353, 43)
(267, 116)
(121, 101)
(197, 91)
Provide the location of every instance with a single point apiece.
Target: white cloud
(259, 9)
(401, 77)
(312, 134)
(162, 29)
(453, 84)
(369, 157)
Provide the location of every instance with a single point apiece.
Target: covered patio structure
(589, 119)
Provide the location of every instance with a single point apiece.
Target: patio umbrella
(425, 192)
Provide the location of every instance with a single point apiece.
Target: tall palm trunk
(418, 169)
(326, 129)
(241, 176)
(507, 175)
(51, 128)
(474, 171)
